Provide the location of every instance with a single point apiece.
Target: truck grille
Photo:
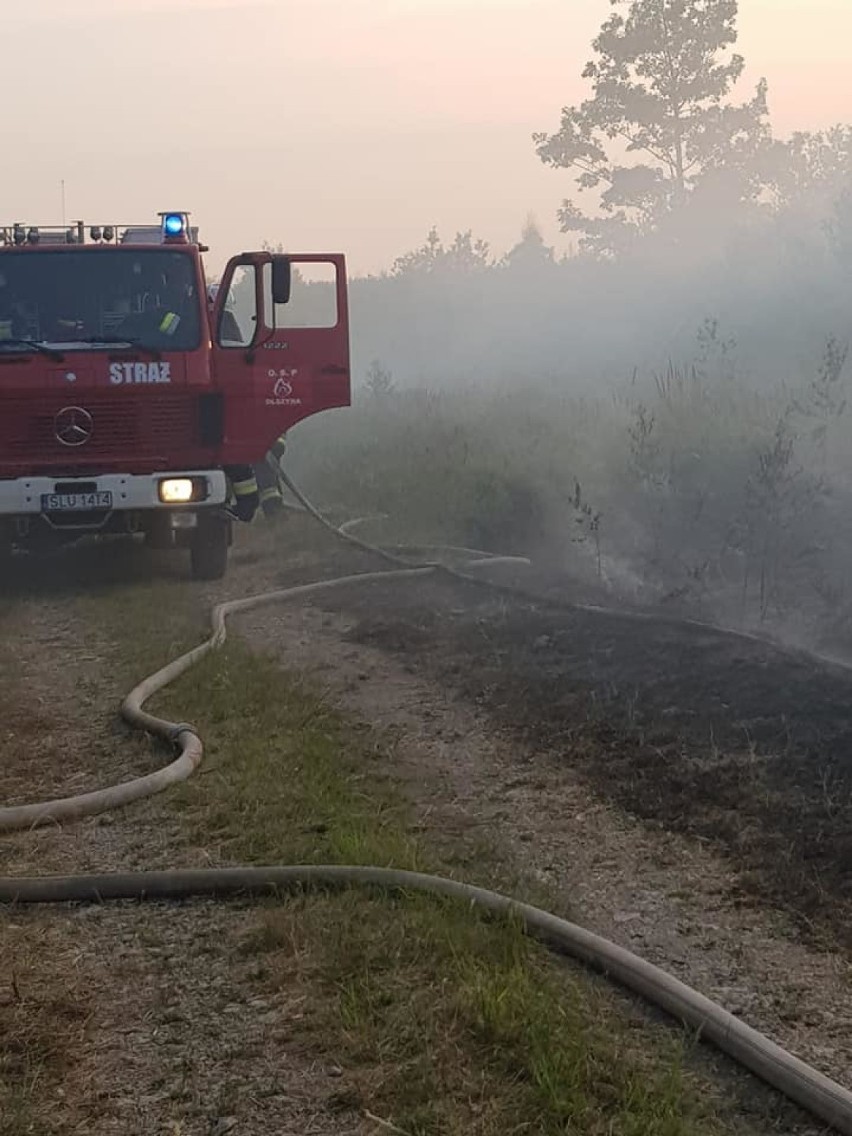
(122, 429)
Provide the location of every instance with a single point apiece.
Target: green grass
(285, 775)
(453, 1024)
(442, 1021)
(445, 1022)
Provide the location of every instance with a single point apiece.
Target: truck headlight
(179, 490)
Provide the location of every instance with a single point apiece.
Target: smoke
(671, 426)
(778, 285)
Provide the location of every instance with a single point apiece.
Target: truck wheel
(209, 549)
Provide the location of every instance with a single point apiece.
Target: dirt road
(686, 794)
(115, 1019)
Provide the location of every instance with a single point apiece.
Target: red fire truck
(126, 400)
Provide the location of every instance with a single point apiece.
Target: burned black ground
(730, 740)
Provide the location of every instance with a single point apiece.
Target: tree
(812, 165)
(810, 176)
(530, 253)
(661, 76)
(243, 295)
(464, 255)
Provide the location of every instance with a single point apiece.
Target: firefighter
(243, 492)
(171, 307)
(269, 480)
(271, 501)
(8, 311)
(229, 331)
(164, 308)
(17, 315)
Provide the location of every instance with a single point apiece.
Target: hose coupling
(182, 728)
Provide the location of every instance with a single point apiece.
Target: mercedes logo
(73, 426)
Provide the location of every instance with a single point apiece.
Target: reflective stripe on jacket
(244, 488)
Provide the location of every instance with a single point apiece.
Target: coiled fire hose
(826, 1099)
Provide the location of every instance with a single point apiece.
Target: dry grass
(444, 1022)
(41, 1023)
(440, 1021)
(41, 1030)
(694, 489)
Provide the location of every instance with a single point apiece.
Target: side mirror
(280, 279)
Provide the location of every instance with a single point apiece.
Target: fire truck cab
(128, 402)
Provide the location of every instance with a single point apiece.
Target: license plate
(75, 502)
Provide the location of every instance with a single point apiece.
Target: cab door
(280, 328)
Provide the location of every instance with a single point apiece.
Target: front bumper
(22, 496)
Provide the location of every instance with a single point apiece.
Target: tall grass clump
(690, 486)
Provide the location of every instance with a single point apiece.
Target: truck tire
(208, 552)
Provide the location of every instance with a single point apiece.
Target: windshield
(74, 300)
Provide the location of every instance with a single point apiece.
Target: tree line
(685, 207)
(662, 146)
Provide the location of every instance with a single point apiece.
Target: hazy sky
(338, 125)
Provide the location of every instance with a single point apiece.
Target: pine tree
(661, 78)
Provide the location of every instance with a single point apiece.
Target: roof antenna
(63, 202)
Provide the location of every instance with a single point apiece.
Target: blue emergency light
(174, 224)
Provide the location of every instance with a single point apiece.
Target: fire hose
(801, 1083)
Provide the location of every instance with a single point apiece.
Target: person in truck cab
(166, 309)
(7, 312)
(64, 324)
(230, 332)
(171, 307)
(67, 328)
(14, 319)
